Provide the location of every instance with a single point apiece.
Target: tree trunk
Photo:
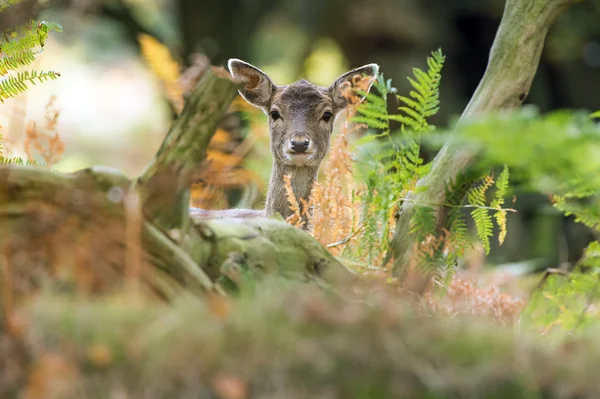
(513, 63)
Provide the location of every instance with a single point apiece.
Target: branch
(164, 185)
(513, 63)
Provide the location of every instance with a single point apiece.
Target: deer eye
(327, 116)
(275, 115)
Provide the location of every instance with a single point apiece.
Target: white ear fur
(258, 89)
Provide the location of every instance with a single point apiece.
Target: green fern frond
(423, 222)
(392, 161)
(586, 213)
(480, 215)
(424, 101)
(456, 224)
(500, 215)
(484, 226)
(373, 111)
(18, 60)
(15, 160)
(370, 121)
(14, 85)
(30, 35)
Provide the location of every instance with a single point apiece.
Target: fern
(586, 212)
(481, 216)
(19, 161)
(390, 161)
(373, 112)
(423, 222)
(14, 160)
(562, 301)
(423, 226)
(30, 35)
(15, 85)
(566, 165)
(18, 49)
(456, 224)
(161, 62)
(22, 59)
(424, 99)
(500, 215)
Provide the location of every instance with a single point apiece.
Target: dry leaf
(230, 387)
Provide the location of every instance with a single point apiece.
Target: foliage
(390, 164)
(566, 145)
(389, 161)
(44, 144)
(164, 67)
(500, 216)
(567, 301)
(283, 340)
(18, 48)
(566, 165)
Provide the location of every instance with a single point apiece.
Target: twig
(458, 206)
(345, 240)
(548, 273)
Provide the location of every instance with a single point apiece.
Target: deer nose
(300, 146)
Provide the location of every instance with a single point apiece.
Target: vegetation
(18, 48)
(109, 290)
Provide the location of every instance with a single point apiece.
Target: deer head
(301, 117)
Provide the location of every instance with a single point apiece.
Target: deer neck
(302, 179)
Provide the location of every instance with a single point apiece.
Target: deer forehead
(302, 96)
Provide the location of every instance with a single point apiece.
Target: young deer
(301, 117)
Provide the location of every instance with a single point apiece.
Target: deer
(301, 119)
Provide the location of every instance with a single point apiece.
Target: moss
(290, 340)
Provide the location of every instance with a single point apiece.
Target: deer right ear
(259, 88)
(360, 78)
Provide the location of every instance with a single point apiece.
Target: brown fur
(301, 107)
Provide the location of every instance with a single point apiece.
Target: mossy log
(513, 62)
(90, 228)
(286, 342)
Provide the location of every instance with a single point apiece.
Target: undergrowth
(18, 49)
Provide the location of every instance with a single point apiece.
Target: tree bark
(514, 58)
(164, 185)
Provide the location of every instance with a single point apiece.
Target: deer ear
(258, 89)
(360, 78)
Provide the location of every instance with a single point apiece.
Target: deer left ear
(343, 89)
(258, 89)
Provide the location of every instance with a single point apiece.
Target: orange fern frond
(296, 218)
(160, 60)
(47, 144)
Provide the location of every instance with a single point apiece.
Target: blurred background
(115, 109)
